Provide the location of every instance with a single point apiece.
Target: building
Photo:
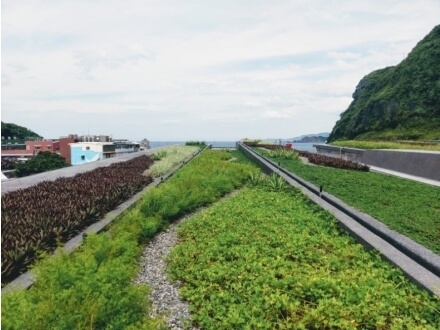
(13, 144)
(145, 144)
(86, 152)
(65, 146)
(124, 147)
(73, 148)
(29, 149)
(34, 147)
(94, 138)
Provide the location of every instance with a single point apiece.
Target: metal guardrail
(417, 262)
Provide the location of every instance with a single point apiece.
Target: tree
(42, 162)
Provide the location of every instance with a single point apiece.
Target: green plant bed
(265, 259)
(411, 208)
(93, 287)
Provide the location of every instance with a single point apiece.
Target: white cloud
(280, 113)
(197, 69)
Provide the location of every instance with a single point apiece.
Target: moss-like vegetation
(270, 259)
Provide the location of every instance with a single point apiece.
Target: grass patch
(265, 259)
(168, 157)
(409, 207)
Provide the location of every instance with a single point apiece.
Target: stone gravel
(164, 295)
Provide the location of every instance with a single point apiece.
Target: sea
(230, 144)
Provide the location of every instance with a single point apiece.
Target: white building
(86, 152)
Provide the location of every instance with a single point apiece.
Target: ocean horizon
(229, 144)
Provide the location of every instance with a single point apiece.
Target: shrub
(323, 160)
(200, 144)
(283, 153)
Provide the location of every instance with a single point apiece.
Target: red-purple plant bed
(323, 160)
(302, 153)
(36, 218)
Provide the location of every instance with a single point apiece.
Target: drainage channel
(419, 264)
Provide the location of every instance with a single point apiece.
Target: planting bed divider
(419, 263)
(26, 280)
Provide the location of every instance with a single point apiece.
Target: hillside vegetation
(13, 131)
(401, 102)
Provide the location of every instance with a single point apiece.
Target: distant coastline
(230, 144)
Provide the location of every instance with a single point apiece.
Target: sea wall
(424, 164)
(352, 154)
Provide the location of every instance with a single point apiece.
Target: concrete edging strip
(417, 262)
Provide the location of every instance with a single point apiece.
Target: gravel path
(164, 295)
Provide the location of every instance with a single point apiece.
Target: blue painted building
(86, 152)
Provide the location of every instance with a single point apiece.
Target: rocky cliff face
(400, 102)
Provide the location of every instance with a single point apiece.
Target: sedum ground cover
(267, 258)
(409, 207)
(92, 288)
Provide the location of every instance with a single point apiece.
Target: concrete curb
(405, 176)
(417, 262)
(26, 280)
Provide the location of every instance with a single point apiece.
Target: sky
(212, 70)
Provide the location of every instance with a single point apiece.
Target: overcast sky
(213, 70)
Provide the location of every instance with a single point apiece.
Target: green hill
(17, 132)
(397, 103)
